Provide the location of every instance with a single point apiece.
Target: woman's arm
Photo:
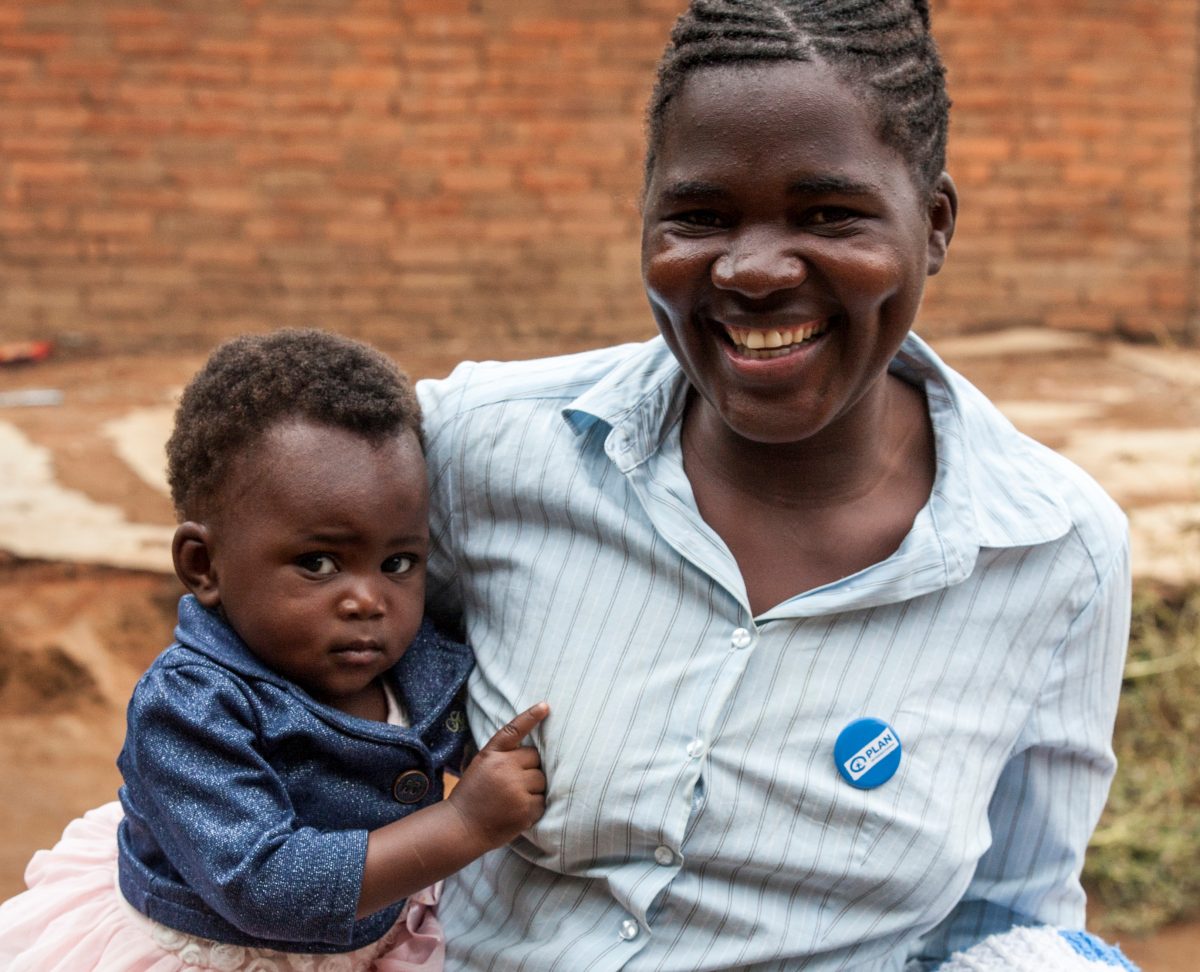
(1050, 794)
(501, 794)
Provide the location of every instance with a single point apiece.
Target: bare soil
(78, 622)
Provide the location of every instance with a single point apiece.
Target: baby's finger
(509, 737)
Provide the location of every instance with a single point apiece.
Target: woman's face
(785, 247)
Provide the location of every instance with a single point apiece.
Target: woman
(833, 651)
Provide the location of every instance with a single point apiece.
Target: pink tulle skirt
(74, 919)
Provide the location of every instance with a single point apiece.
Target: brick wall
(1072, 144)
(172, 171)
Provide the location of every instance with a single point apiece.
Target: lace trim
(203, 954)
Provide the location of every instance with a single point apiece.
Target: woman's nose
(758, 264)
(361, 599)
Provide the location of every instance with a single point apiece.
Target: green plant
(1143, 865)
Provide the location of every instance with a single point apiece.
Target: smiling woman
(751, 233)
(835, 650)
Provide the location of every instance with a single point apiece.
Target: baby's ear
(192, 552)
(943, 212)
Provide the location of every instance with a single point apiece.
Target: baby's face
(319, 552)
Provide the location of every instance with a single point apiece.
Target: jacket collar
(427, 676)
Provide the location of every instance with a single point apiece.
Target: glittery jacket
(247, 802)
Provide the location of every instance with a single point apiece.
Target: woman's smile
(781, 340)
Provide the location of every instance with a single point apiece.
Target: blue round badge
(867, 753)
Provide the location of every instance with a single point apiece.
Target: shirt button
(741, 638)
(695, 749)
(664, 855)
(629, 929)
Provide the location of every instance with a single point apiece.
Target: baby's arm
(501, 794)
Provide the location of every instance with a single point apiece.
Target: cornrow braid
(883, 45)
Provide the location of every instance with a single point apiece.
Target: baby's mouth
(760, 343)
(359, 650)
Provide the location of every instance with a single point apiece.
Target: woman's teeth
(773, 343)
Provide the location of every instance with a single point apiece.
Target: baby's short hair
(251, 383)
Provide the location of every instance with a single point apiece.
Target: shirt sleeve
(223, 817)
(1051, 792)
(440, 402)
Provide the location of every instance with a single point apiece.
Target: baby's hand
(503, 790)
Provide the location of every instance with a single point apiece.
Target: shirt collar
(991, 490)
(992, 480)
(639, 400)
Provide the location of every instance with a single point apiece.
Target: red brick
(116, 223)
(293, 27)
(123, 298)
(477, 179)
(225, 199)
(33, 43)
(361, 232)
(61, 170)
(360, 27)
(134, 18)
(150, 43)
(232, 252)
(238, 49)
(356, 77)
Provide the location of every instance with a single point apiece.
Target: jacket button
(410, 786)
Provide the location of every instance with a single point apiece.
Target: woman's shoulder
(1020, 487)
(561, 378)
(1020, 466)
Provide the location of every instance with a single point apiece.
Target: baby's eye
(317, 563)
(399, 564)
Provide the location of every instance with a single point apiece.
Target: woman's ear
(943, 211)
(191, 551)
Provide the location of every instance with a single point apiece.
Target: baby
(283, 762)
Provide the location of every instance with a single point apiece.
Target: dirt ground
(87, 598)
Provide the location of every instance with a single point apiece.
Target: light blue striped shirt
(695, 818)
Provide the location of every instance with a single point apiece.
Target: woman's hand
(503, 791)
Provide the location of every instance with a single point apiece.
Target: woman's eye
(830, 216)
(318, 564)
(400, 564)
(700, 218)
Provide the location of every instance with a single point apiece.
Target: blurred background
(458, 179)
(456, 170)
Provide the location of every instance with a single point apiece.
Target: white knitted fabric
(1024, 950)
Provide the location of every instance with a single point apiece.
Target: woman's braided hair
(884, 46)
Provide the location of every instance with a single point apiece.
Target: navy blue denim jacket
(247, 802)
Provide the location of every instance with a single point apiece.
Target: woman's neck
(884, 439)
(802, 515)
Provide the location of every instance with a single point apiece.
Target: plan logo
(858, 765)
